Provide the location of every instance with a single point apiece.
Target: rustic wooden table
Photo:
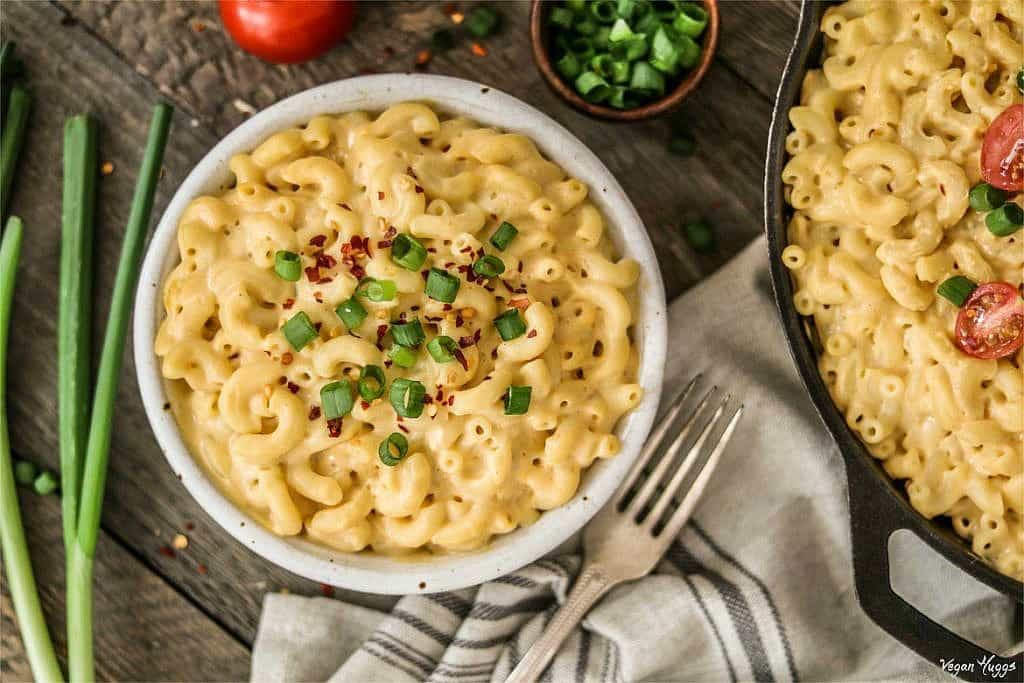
(191, 614)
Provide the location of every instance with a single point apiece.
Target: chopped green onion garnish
(517, 400)
(407, 397)
(625, 8)
(442, 40)
(482, 21)
(603, 10)
(503, 236)
(665, 9)
(442, 286)
(299, 330)
(1005, 220)
(351, 313)
(582, 47)
(568, 66)
(592, 87)
(371, 382)
(700, 236)
(402, 356)
(631, 48)
(288, 265)
(601, 38)
(408, 252)
(984, 197)
(585, 26)
(620, 31)
(510, 324)
(957, 289)
(442, 348)
(664, 53)
(489, 266)
(646, 80)
(393, 449)
(377, 290)
(45, 483)
(602, 65)
(620, 98)
(407, 333)
(689, 52)
(576, 5)
(561, 17)
(25, 472)
(336, 399)
(647, 24)
(620, 72)
(691, 20)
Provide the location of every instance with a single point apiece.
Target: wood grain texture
(117, 59)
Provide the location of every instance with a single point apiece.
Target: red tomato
(287, 31)
(991, 321)
(1002, 153)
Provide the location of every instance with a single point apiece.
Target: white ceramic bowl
(365, 571)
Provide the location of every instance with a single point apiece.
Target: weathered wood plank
(145, 630)
(756, 37)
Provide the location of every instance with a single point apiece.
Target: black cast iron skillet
(878, 505)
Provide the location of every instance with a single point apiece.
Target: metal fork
(631, 534)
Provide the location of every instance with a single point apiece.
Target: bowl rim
(377, 573)
(664, 105)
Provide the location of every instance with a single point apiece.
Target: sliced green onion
(377, 290)
(691, 20)
(582, 47)
(25, 472)
(15, 122)
(288, 265)
(602, 65)
(442, 40)
(592, 87)
(402, 356)
(585, 26)
(621, 98)
(517, 400)
(984, 197)
(483, 21)
(620, 72)
(393, 449)
(408, 252)
(1005, 220)
(620, 31)
(503, 236)
(489, 266)
(442, 286)
(647, 24)
(336, 399)
(407, 397)
(442, 348)
(568, 66)
(299, 330)
(371, 382)
(408, 333)
(561, 17)
(956, 289)
(603, 11)
(666, 10)
(700, 236)
(626, 8)
(689, 52)
(45, 483)
(664, 53)
(682, 144)
(630, 49)
(576, 6)
(603, 37)
(351, 313)
(647, 80)
(510, 324)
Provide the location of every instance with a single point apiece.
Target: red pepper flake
(288, 303)
(434, 319)
(381, 331)
(387, 363)
(439, 396)
(520, 267)
(419, 190)
(480, 253)
(325, 281)
(328, 591)
(318, 296)
(489, 288)
(478, 49)
(451, 400)
(471, 276)
(318, 240)
(494, 352)
(380, 196)
(383, 244)
(293, 387)
(317, 326)
(334, 427)
(431, 250)
(424, 274)
(313, 274)
(346, 249)
(314, 413)
(358, 272)
(461, 269)
(282, 380)
(447, 307)
(531, 334)
(411, 173)
(423, 57)
(466, 249)
(465, 342)
(287, 358)
(428, 399)
(404, 428)
(357, 242)
(345, 206)
(365, 405)
(461, 357)
(201, 568)
(326, 261)
(459, 320)
(476, 336)
(521, 304)
(168, 551)
(414, 308)
(391, 231)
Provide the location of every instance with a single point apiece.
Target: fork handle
(588, 589)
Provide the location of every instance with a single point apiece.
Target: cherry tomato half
(1002, 152)
(991, 321)
(287, 31)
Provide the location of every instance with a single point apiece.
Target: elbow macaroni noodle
(247, 403)
(884, 149)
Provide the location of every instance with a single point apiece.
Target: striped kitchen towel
(757, 587)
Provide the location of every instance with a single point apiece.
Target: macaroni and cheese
(398, 332)
(884, 150)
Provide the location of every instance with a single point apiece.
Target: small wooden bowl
(540, 38)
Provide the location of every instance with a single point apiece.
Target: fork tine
(643, 495)
(692, 457)
(689, 502)
(655, 439)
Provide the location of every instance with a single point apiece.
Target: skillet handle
(871, 525)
